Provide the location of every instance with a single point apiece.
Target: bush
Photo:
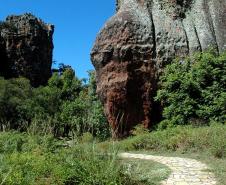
(194, 90)
(139, 130)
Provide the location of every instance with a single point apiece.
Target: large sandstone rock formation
(138, 41)
(26, 48)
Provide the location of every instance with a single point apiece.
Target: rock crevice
(138, 41)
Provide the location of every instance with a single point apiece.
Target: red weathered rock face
(26, 48)
(138, 41)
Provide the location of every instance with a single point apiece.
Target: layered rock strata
(138, 41)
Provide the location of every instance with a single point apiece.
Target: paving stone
(184, 171)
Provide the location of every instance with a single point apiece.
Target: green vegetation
(207, 144)
(65, 107)
(193, 91)
(31, 159)
(177, 7)
(209, 139)
(49, 133)
(145, 172)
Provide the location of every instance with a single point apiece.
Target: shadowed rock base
(138, 41)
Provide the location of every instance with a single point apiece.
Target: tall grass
(209, 139)
(31, 159)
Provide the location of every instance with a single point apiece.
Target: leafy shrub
(194, 90)
(139, 130)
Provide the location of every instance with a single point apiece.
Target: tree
(66, 105)
(14, 102)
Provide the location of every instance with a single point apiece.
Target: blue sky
(77, 23)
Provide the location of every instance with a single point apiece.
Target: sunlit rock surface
(138, 41)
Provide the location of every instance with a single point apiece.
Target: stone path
(184, 171)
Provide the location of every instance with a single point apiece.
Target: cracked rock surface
(138, 41)
(26, 48)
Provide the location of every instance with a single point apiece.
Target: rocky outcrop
(138, 41)
(26, 48)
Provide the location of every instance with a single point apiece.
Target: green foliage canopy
(65, 106)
